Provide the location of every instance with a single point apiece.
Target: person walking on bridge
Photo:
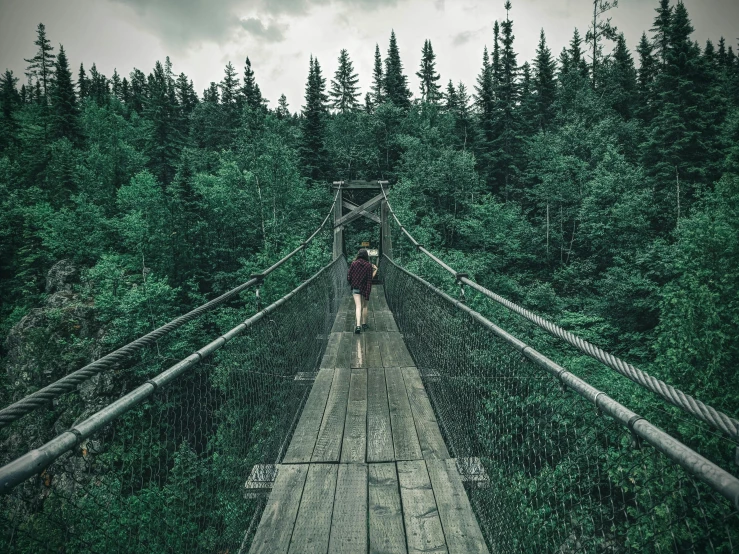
(360, 277)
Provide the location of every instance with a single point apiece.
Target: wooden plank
(276, 526)
(346, 306)
(313, 524)
(386, 532)
(349, 524)
(354, 447)
(379, 434)
(372, 349)
(427, 428)
(381, 300)
(405, 440)
(358, 356)
(332, 348)
(328, 443)
(371, 204)
(306, 432)
(351, 206)
(344, 353)
(399, 351)
(420, 515)
(461, 531)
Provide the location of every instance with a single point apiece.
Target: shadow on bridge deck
(367, 468)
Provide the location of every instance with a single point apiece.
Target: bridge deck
(367, 469)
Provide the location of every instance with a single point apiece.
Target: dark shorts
(356, 291)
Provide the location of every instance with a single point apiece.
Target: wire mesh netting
(189, 469)
(546, 472)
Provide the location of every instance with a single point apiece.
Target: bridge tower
(364, 210)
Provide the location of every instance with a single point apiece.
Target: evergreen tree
(544, 85)
(451, 97)
(283, 111)
(344, 90)
(185, 94)
(250, 90)
(484, 99)
(313, 152)
(600, 29)
(464, 124)
(396, 84)
(430, 89)
(99, 86)
(10, 103)
(63, 102)
(229, 87)
(661, 31)
(138, 90)
(495, 61)
(82, 83)
(41, 66)
(166, 141)
(125, 92)
(577, 56)
(506, 147)
(681, 152)
(565, 64)
(378, 79)
(210, 95)
(646, 76)
(369, 106)
(527, 103)
(115, 84)
(621, 82)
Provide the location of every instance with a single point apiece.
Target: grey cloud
(274, 32)
(465, 36)
(183, 23)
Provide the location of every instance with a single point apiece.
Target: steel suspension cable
(674, 396)
(112, 360)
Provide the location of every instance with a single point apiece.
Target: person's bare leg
(358, 308)
(364, 310)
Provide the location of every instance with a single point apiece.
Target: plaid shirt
(360, 276)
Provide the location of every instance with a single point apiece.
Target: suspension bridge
(441, 429)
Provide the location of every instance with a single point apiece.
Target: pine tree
(63, 102)
(646, 76)
(451, 97)
(721, 54)
(378, 79)
(10, 103)
(82, 83)
(99, 86)
(210, 95)
(506, 147)
(229, 86)
(527, 102)
(41, 66)
(282, 111)
(396, 84)
(577, 56)
(115, 82)
(544, 85)
(464, 124)
(313, 153)
(621, 84)
(160, 111)
(661, 31)
(344, 90)
(138, 90)
(430, 89)
(600, 29)
(681, 151)
(185, 94)
(369, 106)
(125, 92)
(250, 90)
(484, 99)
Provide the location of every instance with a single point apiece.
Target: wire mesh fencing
(188, 469)
(546, 472)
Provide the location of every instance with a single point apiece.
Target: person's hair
(363, 254)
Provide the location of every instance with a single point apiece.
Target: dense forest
(598, 187)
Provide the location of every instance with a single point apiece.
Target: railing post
(338, 231)
(386, 242)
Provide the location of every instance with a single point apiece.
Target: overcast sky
(201, 36)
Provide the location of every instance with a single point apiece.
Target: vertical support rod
(338, 231)
(386, 244)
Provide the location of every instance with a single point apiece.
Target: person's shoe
(357, 330)
(365, 327)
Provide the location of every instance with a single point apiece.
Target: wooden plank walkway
(367, 469)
